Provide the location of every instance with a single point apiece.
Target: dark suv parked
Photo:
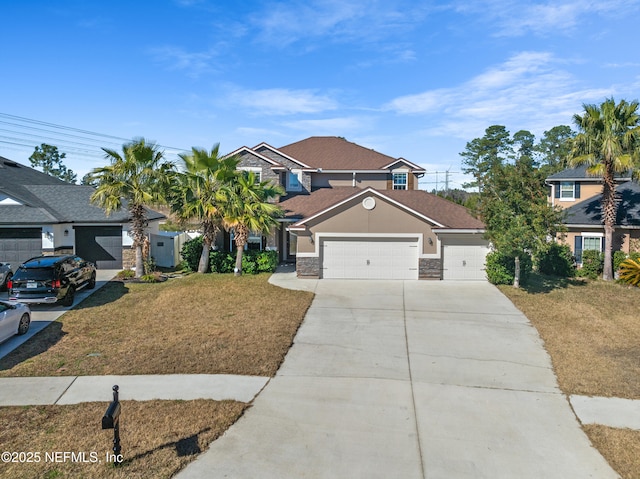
(51, 279)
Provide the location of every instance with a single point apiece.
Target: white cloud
(515, 18)
(281, 101)
(176, 58)
(340, 20)
(528, 91)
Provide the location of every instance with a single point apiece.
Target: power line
(62, 136)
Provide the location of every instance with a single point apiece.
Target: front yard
(591, 330)
(198, 324)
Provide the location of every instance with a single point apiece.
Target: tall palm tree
(195, 193)
(608, 143)
(245, 208)
(137, 177)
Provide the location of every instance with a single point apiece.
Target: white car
(15, 318)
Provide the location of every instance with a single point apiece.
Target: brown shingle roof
(445, 212)
(333, 153)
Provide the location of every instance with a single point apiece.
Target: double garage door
(370, 258)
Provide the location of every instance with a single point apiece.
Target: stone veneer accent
(429, 268)
(308, 267)
(128, 257)
(247, 160)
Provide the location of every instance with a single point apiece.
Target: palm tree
(195, 193)
(245, 208)
(608, 143)
(136, 178)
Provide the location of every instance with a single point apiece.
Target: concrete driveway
(44, 314)
(408, 379)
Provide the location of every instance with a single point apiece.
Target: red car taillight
(55, 283)
(9, 284)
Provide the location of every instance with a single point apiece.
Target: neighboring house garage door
(370, 258)
(17, 245)
(463, 261)
(100, 244)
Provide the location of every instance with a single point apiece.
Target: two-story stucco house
(580, 195)
(352, 212)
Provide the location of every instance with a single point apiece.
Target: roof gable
(334, 153)
(266, 146)
(248, 151)
(431, 208)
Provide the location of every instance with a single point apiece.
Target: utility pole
(437, 181)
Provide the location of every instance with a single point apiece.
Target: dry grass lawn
(199, 324)
(591, 330)
(196, 324)
(156, 440)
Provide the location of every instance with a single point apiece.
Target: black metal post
(116, 430)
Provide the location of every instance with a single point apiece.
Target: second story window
(293, 180)
(400, 181)
(566, 190)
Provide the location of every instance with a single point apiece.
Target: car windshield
(35, 274)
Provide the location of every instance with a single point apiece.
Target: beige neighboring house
(580, 195)
(352, 212)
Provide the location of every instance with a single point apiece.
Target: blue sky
(412, 79)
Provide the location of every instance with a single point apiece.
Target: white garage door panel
(361, 259)
(465, 262)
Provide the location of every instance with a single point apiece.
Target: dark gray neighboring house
(42, 214)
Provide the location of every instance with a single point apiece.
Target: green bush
(501, 268)
(618, 258)
(592, 264)
(191, 252)
(253, 262)
(556, 260)
(126, 274)
(222, 261)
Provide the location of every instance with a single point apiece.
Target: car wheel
(23, 326)
(92, 282)
(68, 298)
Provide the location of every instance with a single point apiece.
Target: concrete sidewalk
(76, 389)
(408, 379)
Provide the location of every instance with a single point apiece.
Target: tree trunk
(139, 260)
(516, 276)
(609, 208)
(203, 265)
(238, 269)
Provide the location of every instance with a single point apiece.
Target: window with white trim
(588, 241)
(400, 181)
(257, 171)
(567, 190)
(294, 180)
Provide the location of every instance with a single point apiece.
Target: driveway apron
(408, 379)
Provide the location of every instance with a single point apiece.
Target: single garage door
(17, 245)
(101, 245)
(462, 262)
(375, 258)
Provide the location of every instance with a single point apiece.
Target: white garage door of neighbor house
(370, 259)
(464, 262)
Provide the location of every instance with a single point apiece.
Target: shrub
(126, 274)
(253, 262)
(630, 272)
(618, 258)
(501, 268)
(150, 278)
(191, 252)
(556, 260)
(222, 261)
(592, 264)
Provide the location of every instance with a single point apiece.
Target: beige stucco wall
(621, 238)
(352, 217)
(363, 180)
(587, 190)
